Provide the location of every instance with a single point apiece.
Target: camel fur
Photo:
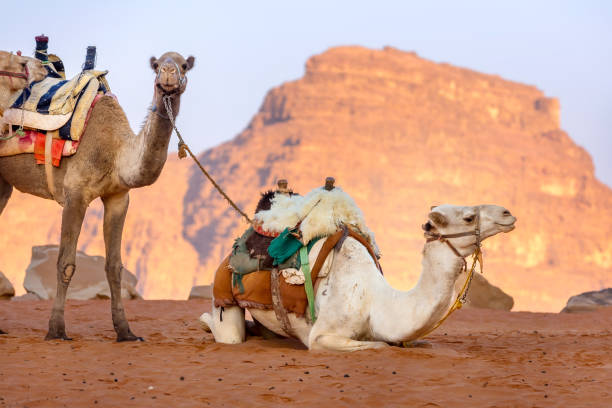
(357, 309)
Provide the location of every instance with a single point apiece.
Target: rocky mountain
(399, 133)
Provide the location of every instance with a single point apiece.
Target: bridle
(23, 75)
(166, 96)
(181, 77)
(434, 236)
(477, 257)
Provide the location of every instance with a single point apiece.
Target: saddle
(255, 289)
(53, 114)
(57, 104)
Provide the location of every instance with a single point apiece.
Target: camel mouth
(507, 227)
(168, 89)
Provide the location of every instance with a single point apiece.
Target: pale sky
(243, 49)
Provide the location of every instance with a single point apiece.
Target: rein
(15, 74)
(476, 258)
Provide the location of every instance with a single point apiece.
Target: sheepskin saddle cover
(319, 213)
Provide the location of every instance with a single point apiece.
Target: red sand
(478, 358)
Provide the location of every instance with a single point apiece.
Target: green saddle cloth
(283, 250)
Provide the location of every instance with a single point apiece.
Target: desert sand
(478, 358)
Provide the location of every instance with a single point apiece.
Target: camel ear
(190, 61)
(154, 63)
(438, 218)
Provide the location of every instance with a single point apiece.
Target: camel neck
(404, 316)
(149, 150)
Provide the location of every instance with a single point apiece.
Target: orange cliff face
(399, 133)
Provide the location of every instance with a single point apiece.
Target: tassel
(479, 257)
(182, 150)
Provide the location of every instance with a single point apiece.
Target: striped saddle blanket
(53, 107)
(57, 104)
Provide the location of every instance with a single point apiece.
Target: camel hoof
(416, 344)
(129, 337)
(50, 336)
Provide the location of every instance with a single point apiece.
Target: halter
(434, 236)
(23, 75)
(477, 257)
(181, 77)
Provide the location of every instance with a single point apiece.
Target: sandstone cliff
(400, 134)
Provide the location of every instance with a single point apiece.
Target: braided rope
(182, 153)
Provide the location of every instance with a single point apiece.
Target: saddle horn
(329, 183)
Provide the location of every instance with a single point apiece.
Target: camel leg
(227, 324)
(339, 343)
(72, 220)
(115, 210)
(5, 193)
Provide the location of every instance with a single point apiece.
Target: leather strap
(277, 303)
(14, 74)
(49, 164)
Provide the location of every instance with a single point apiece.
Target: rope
(182, 153)
(461, 297)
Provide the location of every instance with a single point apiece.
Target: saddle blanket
(33, 141)
(57, 104)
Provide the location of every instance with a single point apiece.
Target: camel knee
(226, 324)
(67, 273)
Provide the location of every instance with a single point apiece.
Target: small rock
(26, 297)
(589, 301)
(7, 290)
(201, 292)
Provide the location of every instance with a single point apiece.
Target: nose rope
(184, 149)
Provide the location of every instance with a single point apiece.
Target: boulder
(201, 292)
(7, 290)
(26, 297)
(589, 301)
(484, 295)
(88, 282)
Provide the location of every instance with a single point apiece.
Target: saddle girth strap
(49, 164)
(277, 303)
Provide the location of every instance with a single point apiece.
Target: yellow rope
(477, 258)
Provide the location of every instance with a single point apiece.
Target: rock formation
(399, 133)
(201, 292)
(89, 283)
(589, 301)
(483, 295)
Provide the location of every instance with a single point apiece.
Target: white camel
(357, 309)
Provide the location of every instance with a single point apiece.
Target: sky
(243, 49)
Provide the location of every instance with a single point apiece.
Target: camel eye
(468, 219)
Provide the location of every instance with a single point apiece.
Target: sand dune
(478, 358)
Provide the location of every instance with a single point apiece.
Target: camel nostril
(507, 213)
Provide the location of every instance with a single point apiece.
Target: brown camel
(110, 161)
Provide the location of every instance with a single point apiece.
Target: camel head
(453, 219)
(26, 70)
(171, 69)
